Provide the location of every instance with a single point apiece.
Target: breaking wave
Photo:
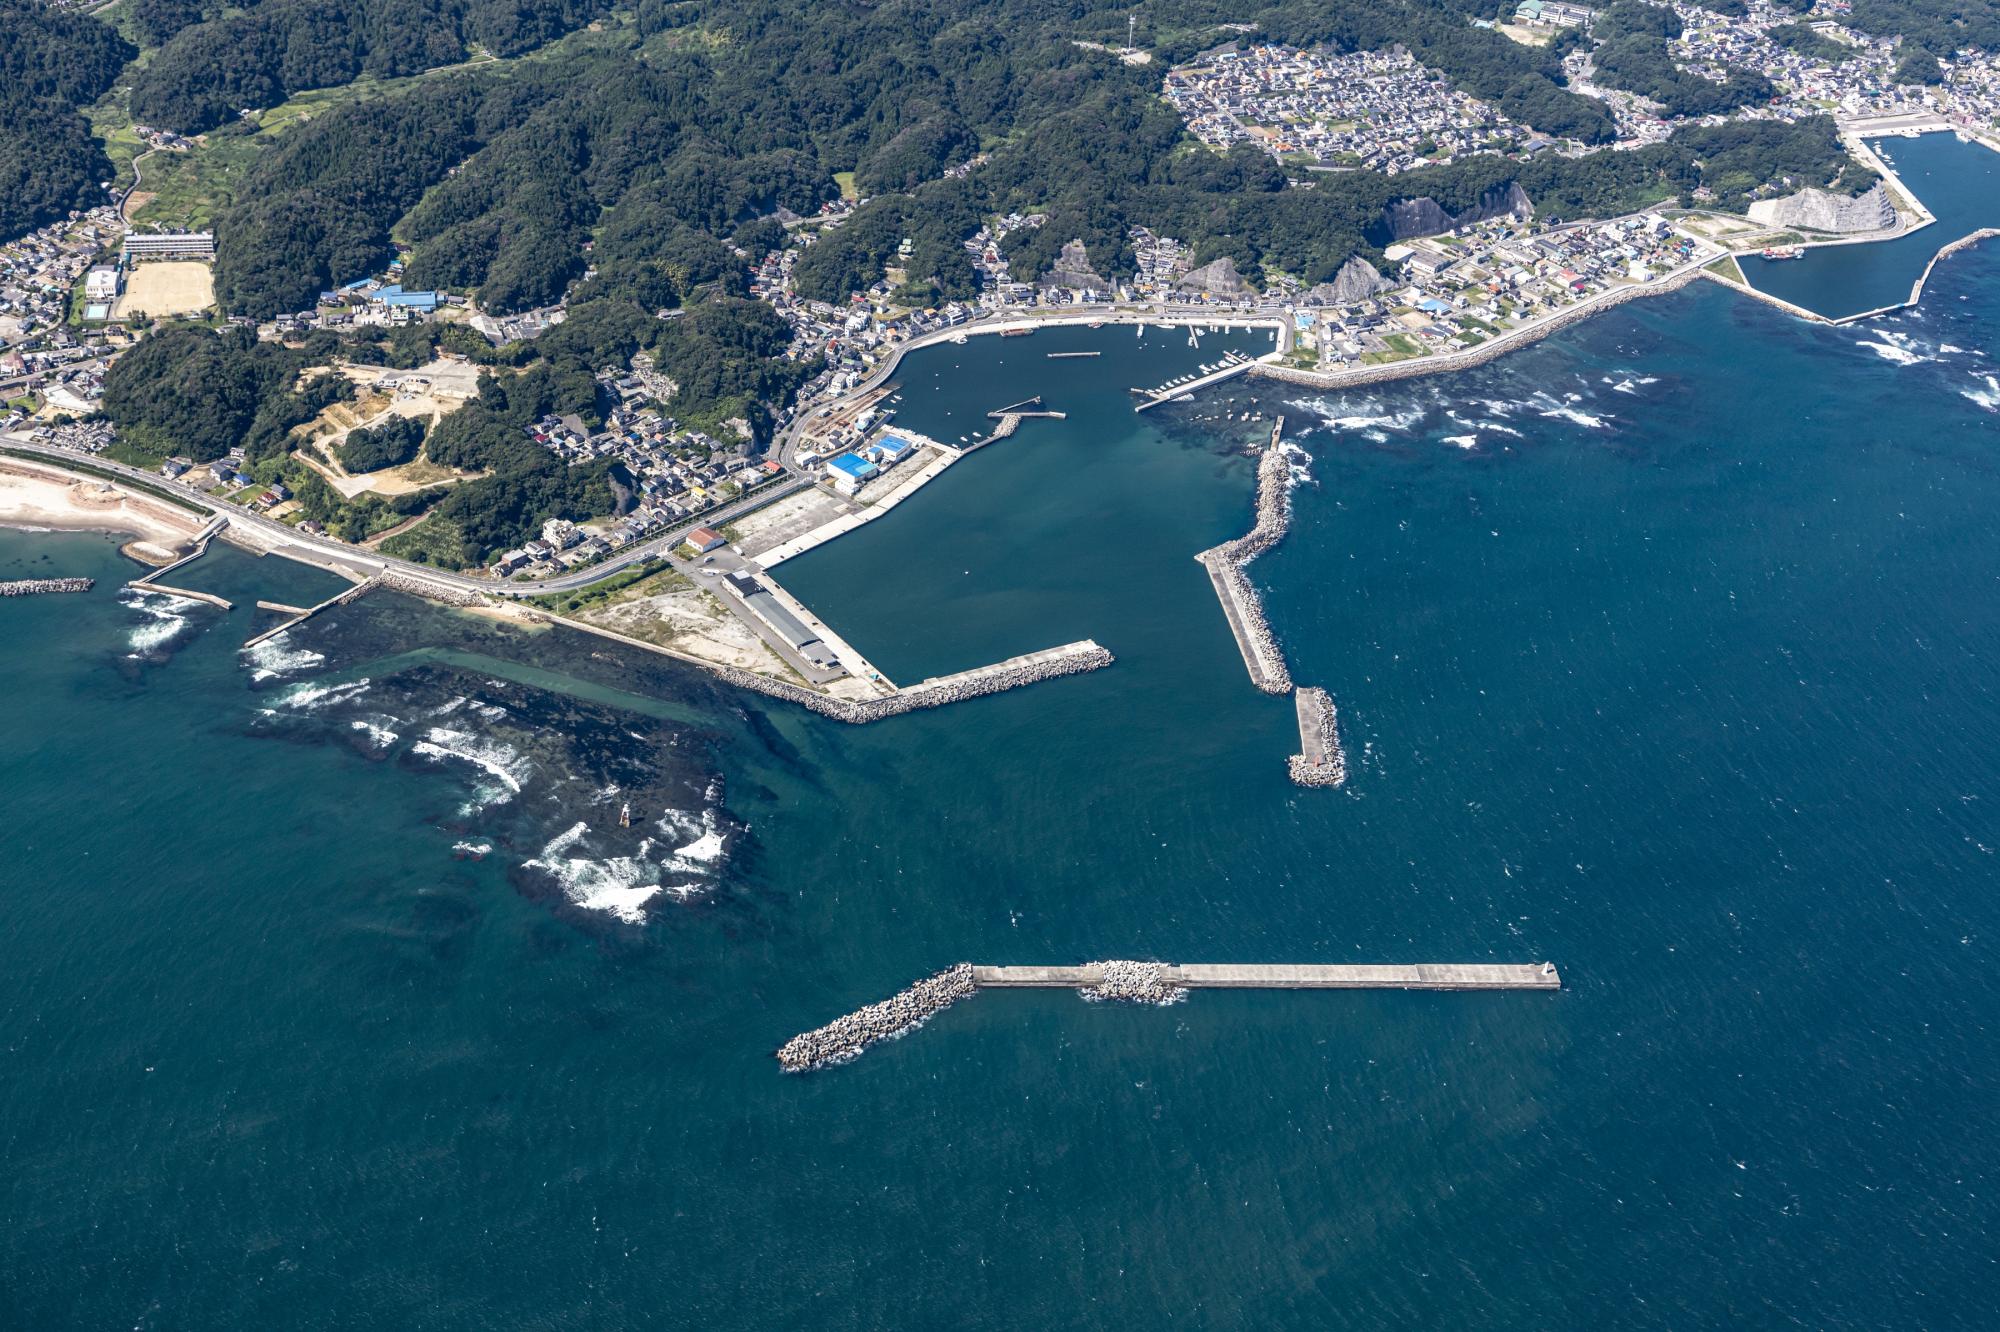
(508, 768)
(164, 620)
(620, 886)
(274, 657)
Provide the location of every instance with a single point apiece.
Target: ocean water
(1665, 650)
(1958, 181)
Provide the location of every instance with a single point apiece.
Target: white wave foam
(1463, 441)
(619, 885)
(1987, 397)
(377, 730)
(706, 849)
(163, 623)
(1889, 351)
(316, 697)
(274, 657)
(507, 766)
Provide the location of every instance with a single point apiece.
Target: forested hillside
(208, 71)
(50, 64)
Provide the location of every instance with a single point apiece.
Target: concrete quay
(1154, 397)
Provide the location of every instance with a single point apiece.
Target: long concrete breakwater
(30, 587)
(1240, 602)
(1013, 673)
(338, 599)
(1159, 983)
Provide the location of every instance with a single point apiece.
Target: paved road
(325, 548)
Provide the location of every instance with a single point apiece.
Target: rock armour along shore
(1475, 356)
(1086, 657)
(30, 587)
(1332, 770)
(844, 1038)
(1134, 983)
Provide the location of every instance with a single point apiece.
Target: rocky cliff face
(1072, 270)
(1817, 210)
(1356, 281)
(1217, 279)
(1409, 219)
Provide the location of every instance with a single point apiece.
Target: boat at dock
(1784, 252)
(1017, 332)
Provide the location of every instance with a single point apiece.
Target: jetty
(1160, 983)
(150, 585)
(1072, 356)
(33, 587)
(1241, 605)
(151, 582)
(1233, 364)
(338, 599)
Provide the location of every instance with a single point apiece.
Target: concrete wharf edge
(1299, 976)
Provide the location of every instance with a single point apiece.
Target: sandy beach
(37, 497)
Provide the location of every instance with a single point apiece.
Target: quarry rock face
(1356, 281)
(1216, 279)
(1409, 219)
(1817, 210)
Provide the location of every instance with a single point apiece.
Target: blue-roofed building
(889, 450)
(849, 472)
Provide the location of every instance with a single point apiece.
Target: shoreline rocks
(1274, 519)
(843, 1039)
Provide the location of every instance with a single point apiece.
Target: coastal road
(325, 550)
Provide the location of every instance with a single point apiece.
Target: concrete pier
(1154, 397)
(341, 599)
(1291, 976)
(148, 585)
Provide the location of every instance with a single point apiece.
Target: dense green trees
(391, 444)
(257, 58)
(51, 63)
(199, 393)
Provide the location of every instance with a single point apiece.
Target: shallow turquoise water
(1959, 182)
(1665, 650)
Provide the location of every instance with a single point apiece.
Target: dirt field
(166, 289)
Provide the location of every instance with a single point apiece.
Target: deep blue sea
(1667, 649)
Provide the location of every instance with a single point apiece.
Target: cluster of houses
(1458, 291)
(680, 474)
(39, 272)
(1859, 85)
(1375, 109)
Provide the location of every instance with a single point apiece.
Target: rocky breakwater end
(1073, 660)
(1316, 709)
(1133, 983)
(449, 594)
(1446, 362)
(1274, 519)
(31, 587)
(845, 1038)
